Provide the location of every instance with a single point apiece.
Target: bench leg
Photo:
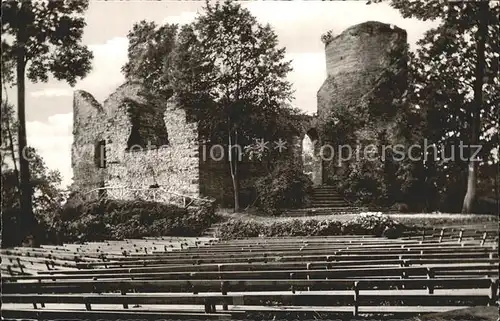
(224, 292)
(125, 306)
(210, 307)
(493, 292)
(356, 299)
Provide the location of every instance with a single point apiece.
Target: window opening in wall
(135, 138)
(100, 154)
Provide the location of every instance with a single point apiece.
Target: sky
(298, 24)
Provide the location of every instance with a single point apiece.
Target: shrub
(365, 224)
(119, 219)
(285, 187)
(400, 207)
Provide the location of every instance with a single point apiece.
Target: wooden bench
(356, 293)
(58, 314)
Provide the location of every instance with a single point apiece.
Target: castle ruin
(104, 135)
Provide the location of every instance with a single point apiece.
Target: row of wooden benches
(255, 253)
(16, 261)
(172, 281)
(404, 258)
(148, 245)
(235, 267)
(353, 293)
(341, 275)
(235, 250)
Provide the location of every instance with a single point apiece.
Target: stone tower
(366, 70)
(356, 59)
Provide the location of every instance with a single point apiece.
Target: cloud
(309, 72)
(106, 75)
(52, 92)
(184, 18)
(300, 24)
(52, 140)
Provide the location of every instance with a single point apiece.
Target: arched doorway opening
(311, 158)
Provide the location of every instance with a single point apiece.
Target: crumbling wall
(215, 177)
(172, 164)
(216, 180)
(88, 117)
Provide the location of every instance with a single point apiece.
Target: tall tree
(149, 51)
(41, 38)
(457, 82)
(236, 64)
(47, 196)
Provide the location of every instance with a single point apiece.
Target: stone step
(329, 201)
(335, 203)
(210, 232)
(328, 205)
(323, 211)
(322, 198)
(325, 193)
(327, 196)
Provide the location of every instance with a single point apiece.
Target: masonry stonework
(355, 60)
(88, 130)
(366, 69)
(174, 165)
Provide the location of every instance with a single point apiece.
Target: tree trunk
(470, 196)
(27, 218)
(233, 165)
(8, 125)
(12, 150)
(481, 35)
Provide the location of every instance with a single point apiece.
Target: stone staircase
(327, 196)
(211, 231)
(325, 201)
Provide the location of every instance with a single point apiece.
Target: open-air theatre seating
(207, 279)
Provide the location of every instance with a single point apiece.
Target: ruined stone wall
(173, 166)
(216, 181)
(88, 130)
(215, 178)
